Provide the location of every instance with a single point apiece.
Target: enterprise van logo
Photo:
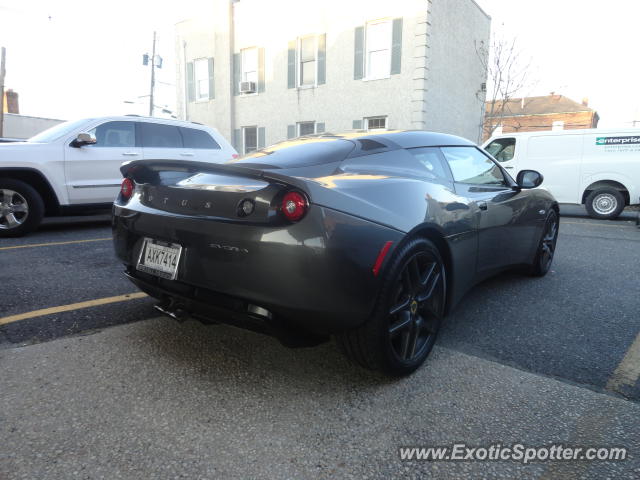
(617, 140)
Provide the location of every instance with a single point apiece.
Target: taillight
(126, 189)
(294, 206)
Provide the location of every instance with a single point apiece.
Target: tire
(402, 330)
(605, 203)
(546, 246)
(21, 208)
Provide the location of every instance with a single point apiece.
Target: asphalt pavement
(113, 391)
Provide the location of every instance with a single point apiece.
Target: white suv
(75, 166)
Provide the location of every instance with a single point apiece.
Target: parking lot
(96, 385)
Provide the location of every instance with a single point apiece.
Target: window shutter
(322, 59)
(396, 46)
(291, 131)
(357, 124)
(191, 86)
(319, 127)
(291, 65)
(260, 70)
(261, 135)
(237, 140)
(237, 69)
(212, 94)
(358, 60)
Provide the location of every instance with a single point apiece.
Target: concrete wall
(407, 99)
(23, 127)
(455, 101)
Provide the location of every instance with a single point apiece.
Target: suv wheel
(21, 208)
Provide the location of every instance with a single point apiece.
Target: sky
(69, 58)
(578, 48)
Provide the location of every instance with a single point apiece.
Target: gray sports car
(372, 238)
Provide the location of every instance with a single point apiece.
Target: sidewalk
(156, 399)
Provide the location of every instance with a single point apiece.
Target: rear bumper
(314, 276)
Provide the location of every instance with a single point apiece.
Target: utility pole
(153, 74)
(3, 54)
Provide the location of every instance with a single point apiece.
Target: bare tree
(507, 73)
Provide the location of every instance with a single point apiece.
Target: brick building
(550, 112)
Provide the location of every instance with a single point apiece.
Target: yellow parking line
(70, 307)
(628, 371)
(55, 243)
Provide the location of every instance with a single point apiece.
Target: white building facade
(263, 71)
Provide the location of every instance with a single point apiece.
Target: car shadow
(52, 224)
(217, 352)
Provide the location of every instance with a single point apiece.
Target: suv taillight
(294, 206)
(126, 189)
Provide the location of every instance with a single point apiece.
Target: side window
(157, 135)
(469, 165)
(430, 163)
(115, 134)
(194, 138)
(502, 149)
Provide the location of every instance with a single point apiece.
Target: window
(158, 135)
(430, 163)
(307, 55)
(250, 139)
(378, 49)
(249, 65)
(306, 128)
(557, 125)
(375, 123)
(469, 165)
(194, 138)
(502, 149)
(201, 73)
(115, 134)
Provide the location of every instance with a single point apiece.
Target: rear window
(299, 153)
(157, 135)
(194, 138)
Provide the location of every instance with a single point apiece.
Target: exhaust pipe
(173, 310)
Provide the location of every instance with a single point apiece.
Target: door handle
(482, 205)
(510, 167)
(130, 154)
(186, 154)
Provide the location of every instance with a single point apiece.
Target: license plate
(159, 258)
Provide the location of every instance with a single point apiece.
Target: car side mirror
(82, 139)
(529, 179)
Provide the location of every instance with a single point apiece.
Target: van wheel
(605, 203)
(21, 208)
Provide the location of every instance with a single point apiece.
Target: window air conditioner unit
(247, 87)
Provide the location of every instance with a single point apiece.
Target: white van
(596, 167)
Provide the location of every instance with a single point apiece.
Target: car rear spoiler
(134, 168)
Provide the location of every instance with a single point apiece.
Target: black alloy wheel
(547, 246)
(414, 319)
(400, 334)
